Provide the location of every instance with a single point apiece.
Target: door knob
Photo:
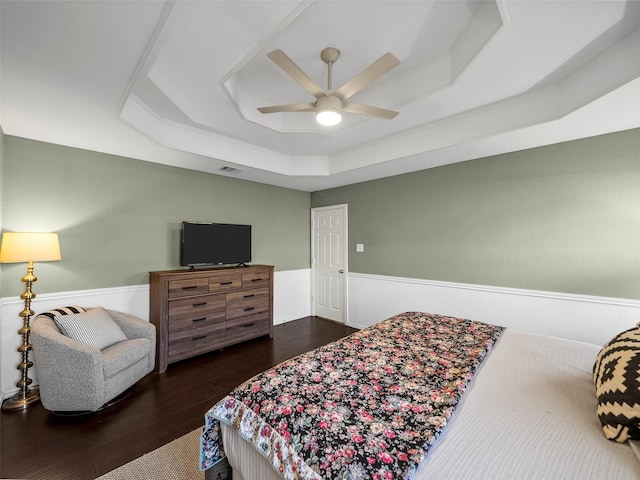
(341, 271)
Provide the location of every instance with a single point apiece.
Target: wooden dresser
(196, 311)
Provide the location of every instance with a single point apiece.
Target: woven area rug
(177, 460)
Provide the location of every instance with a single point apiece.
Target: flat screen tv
(215, 244)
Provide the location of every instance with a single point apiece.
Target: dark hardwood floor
(38, 445)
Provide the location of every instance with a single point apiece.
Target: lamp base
(20, 401)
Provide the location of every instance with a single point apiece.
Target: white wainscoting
(133, 300)
(373, 298)
(291, 295)
(291, 292)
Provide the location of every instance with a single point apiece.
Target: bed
(421, 396)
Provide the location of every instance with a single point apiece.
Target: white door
(329, 262)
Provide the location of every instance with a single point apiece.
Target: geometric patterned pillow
(94, 327)
(616, 376)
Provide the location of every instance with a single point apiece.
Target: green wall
(119, 218)
(562, 218)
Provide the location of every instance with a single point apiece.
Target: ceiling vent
(230, 169)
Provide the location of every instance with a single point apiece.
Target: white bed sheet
(530, 413)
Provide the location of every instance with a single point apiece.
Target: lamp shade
(29, 247)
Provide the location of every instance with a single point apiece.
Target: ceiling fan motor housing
(330, 102)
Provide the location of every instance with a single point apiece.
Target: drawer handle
(190, 287)
(226, 283)
(201, 304)
(248, 309)
(199, 319)
(246, 325)
(256, 279)
(249, 296)
(199, 337)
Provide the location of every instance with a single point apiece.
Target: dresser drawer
(256, 279)
(196, 320)
(193, 307)
(187, 343)
(222, 283)
(247, 327)
(188, 287)
(247, 302)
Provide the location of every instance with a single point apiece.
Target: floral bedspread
(368, 406)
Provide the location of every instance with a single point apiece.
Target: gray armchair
(74, 376)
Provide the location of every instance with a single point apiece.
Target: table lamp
(27, 247)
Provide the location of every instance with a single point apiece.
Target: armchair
(75, 376)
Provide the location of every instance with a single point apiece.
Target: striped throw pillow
(616, 375)
(93, 327)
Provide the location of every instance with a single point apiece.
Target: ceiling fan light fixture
(329, 110)
(328, 118)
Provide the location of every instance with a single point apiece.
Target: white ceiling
(178, 82)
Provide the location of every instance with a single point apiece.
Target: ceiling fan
(329, 106)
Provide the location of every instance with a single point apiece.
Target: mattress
(530, 413)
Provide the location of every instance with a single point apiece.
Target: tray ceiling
(179, 82)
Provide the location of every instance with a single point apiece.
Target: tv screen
(215, 243)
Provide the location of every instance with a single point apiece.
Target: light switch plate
(360, 247)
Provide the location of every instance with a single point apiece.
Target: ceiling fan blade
(370, 74)
(369, 110)
(295, 72)
(292, 107)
